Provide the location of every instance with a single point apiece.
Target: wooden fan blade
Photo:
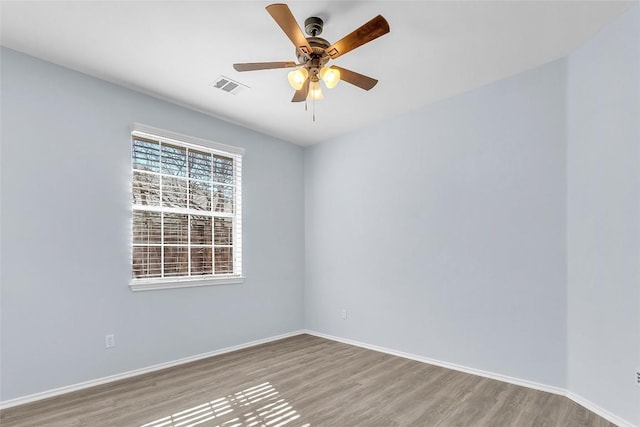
(251, 66)
(301, 94)
(284, 18)
(356, 79)
(373, 29)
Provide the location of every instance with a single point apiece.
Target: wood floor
(304, 381)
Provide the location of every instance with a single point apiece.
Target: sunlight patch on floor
(256, 406)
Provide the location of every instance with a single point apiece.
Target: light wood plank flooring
(304, 381)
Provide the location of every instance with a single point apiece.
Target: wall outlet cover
(110, 341)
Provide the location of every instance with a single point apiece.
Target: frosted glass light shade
(330, 76)
(315, 92)
(298, 77)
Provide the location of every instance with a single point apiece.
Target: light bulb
(330, 76)
(298, 77)
(314, 91)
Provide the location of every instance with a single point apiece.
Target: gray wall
(66, 227)
(442, 231)
(604, 218)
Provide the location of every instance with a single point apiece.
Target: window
(186, 203)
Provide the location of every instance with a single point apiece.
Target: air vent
(228, 85)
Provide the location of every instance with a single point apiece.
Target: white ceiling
(175, 50)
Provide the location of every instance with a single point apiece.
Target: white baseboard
(460, 368)
(92, 383)
(598, 410)
(491, 375)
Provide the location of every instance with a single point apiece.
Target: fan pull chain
(313, 108)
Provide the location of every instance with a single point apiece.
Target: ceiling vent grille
(228, 85)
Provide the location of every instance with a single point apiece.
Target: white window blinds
(187, 211)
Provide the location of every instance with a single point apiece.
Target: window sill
(154, 284)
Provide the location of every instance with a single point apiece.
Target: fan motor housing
(318, 58)
(318, 46)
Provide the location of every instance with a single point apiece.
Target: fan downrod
(313, 26)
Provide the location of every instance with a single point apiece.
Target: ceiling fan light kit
(330, 76)
(298, 77)
(313, 53)
(315, 92)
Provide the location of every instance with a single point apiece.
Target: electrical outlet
(638, 377)
(109, 341)
(343, 314)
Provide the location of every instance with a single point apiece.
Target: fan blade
(284, 18)
(301, 94)
(356, 79)
(251, 66)
(373, 29)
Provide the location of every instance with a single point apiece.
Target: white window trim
(176, 282)
(162, 135)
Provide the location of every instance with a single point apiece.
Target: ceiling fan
(314, 52)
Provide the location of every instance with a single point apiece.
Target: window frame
(236, 153)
